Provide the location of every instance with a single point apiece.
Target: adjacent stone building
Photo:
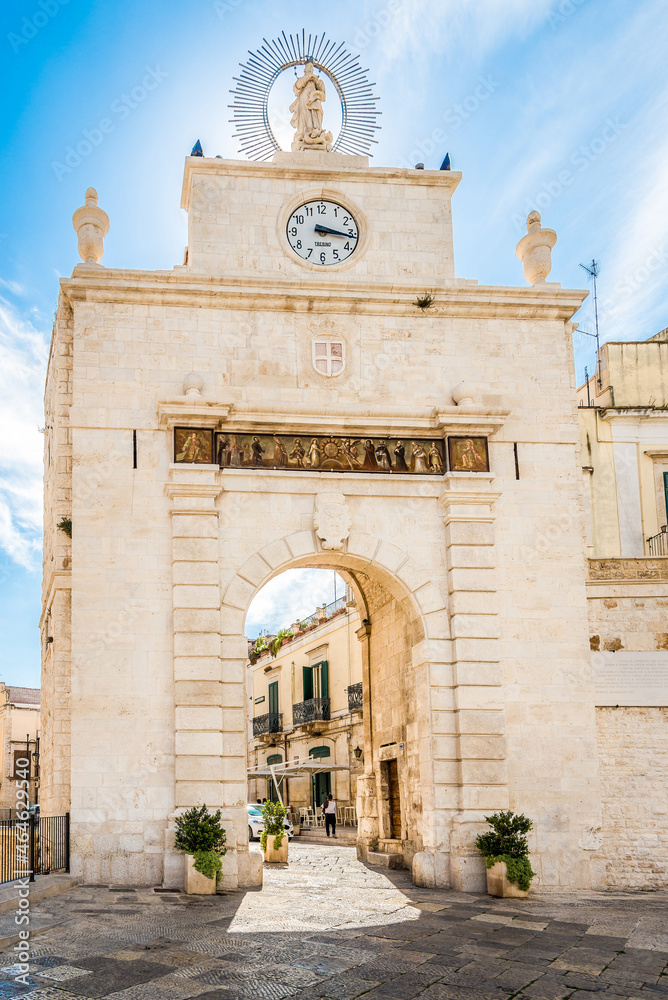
(272, 404)
(19, 739)
(624, 446)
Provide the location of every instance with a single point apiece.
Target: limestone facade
(624, 438)
(477, 682)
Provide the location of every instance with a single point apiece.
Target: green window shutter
(275, 758)
(273, 698)
(308, 683)
(665, 491)
(319, 752)
(324, 680)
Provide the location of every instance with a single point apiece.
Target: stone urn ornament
(92, 225)
(535, 250)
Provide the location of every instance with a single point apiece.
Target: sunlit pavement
(327, 926)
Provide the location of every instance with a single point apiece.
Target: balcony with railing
(312, 710)
(263, 725)
(355, 697)
(657, 545)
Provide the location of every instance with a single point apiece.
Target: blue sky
(555, 104)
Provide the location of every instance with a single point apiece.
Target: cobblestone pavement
(326, 926)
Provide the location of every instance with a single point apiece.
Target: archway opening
(331, 690)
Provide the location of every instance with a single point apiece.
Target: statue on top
(307, 113)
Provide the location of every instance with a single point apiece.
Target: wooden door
(394, 798)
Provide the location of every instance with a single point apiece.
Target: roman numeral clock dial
(322, 232)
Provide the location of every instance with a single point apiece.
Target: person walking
(329, 809)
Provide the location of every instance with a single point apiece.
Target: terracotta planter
(498, 884)
(196, 883)
(274, 856)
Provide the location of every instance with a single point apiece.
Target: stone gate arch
(398, 600)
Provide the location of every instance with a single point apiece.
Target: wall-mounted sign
(259, 700)
(628, 678)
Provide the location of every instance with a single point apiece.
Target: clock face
(322, 232)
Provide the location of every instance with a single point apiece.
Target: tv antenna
(593, 270)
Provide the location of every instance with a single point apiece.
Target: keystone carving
(332, 520)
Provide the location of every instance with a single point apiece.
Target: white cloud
(425, 27)
(23, 358)
(12, 286)
(635, 278)
(293, 595)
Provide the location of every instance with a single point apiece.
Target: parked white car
(256, 823)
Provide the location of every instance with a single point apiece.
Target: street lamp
(358, 753)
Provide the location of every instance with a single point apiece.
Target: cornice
(314, 173)
(186, 413)
(632, 414)
(57, 580)
(186, 287)
(347, 420)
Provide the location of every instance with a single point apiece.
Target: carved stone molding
(332, 520)
(468, 497)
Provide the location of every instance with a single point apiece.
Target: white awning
(285, 769)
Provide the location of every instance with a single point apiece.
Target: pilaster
(198, 688)
(478, 770)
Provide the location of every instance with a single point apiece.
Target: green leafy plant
(518, 870)
(507, 841)
(274, 815)
(209, 863)
(425, 301)
(257, 648)
(66, 525)
(284, 633)
(198, 832)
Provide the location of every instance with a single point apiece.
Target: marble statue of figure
(307, 113)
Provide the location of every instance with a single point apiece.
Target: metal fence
(272, 722)
(355, 699)
(658, 544)
(312, 710)
(36, 846)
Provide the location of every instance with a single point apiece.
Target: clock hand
(332, 232)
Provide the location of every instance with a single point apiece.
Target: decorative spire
(535, 250)
(197, 149)
(91, 225)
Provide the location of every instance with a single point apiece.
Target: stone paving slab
(326, 927)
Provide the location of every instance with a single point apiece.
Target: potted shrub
(200, 836)
(284, 635)
(274, 839)
(506, 852)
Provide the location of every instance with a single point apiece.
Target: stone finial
(535, 250)
(463, 394)
(91, 225)
(193, 384)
